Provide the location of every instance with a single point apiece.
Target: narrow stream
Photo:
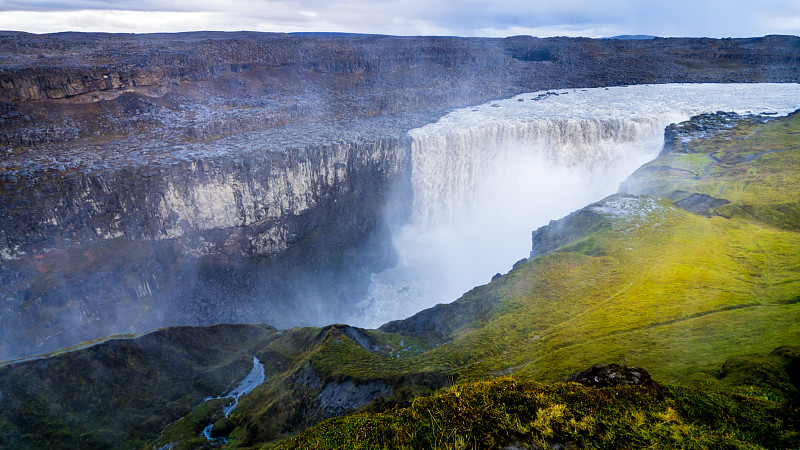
(253, 379)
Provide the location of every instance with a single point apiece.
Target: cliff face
(191, 178)
(203, 241)
(240, 205)
(67, 65)
(200, 85)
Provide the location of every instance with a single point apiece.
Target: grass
(503, 412)
(772, 377)
(766, 187)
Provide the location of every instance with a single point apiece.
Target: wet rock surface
(341, 397)
(701, 204)
(605, 375)
(561, 232)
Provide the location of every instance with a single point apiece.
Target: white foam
(484, 177)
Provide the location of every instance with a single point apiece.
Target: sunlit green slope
(650, 284)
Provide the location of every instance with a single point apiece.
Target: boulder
(604, 375)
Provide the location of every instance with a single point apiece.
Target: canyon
(706, 299)
(195, 178)
(155, 186)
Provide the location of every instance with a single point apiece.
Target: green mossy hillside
(312, 375)
(752, 165)
(774, 377)
(121, 392)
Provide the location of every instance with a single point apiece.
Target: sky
(498, 18)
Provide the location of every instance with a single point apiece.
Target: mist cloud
(601, 18)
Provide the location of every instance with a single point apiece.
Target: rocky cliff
(248, 197)
(199, 241)
(199, 177)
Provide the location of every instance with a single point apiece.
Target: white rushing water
(254, 378)
(484, 177)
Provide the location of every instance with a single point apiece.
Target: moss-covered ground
(505, 412)
(121, 392)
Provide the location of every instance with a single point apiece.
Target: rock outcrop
(700, 204)
(567, 230)
(609, 375)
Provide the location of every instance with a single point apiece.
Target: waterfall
(456, 161)
(453, 171)
(484, 177)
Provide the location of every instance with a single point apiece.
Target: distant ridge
(334, 34)
(633, 36)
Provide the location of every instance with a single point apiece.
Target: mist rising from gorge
(484, 177)
(470, 188)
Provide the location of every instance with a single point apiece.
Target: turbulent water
(484, 177)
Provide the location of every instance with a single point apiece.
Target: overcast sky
(591, 18)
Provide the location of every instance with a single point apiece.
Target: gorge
(255, 167)
(198, 225)
(152, 186)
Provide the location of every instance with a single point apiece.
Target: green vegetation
(754, 166)
(774, 377)
(503, 412)
(710, 306)
(120, 392)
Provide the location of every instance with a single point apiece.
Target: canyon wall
(165, 179)
(282, 238)
(240, 205)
